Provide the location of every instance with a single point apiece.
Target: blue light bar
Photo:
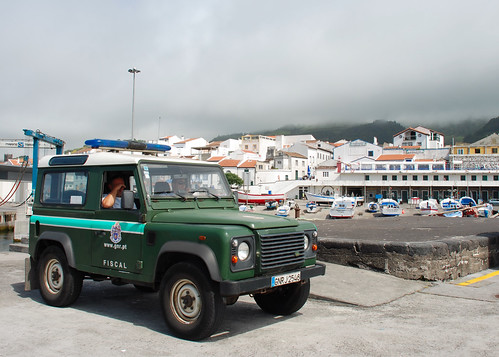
(125, 144)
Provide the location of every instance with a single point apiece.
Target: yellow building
(486, 146)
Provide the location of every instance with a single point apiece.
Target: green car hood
(225, 217)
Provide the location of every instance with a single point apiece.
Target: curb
(443, 259)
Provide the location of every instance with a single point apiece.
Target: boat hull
(258, 199)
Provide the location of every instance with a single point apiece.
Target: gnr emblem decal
(116, 233)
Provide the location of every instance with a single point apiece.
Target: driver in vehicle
(113, 198)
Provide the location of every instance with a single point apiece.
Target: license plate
(286, 279)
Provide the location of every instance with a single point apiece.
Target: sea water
(6, 239)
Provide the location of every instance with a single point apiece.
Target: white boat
(467, 201)
(390, 207)
(343, 207)
(486, 210)
(283, 211)
(449, 204)
(271, 205)
(453, 214)
(372, 207)
(319, 198)
(258, 199)
(428, 207)
(311, 207)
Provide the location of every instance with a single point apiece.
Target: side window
(116, 178)
(65, 188)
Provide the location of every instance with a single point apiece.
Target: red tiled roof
(395, 157)
(229, 163)
(248, 164)
(216, 158)
(249, 152)
(294, 154)
(185, 141)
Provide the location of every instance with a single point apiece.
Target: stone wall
(435, 260)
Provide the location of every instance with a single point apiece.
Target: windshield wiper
(170, 192)
(205, 190)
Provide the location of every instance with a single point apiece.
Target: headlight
(315, 234)
(243, 251)
(306, 242)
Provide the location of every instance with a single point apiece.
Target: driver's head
(179, 184)
(117, 181)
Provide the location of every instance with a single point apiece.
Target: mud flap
(30, 278)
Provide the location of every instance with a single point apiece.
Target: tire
(60, 285)
(192, 306)
(284, 300)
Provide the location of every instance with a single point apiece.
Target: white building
(259, 144)
(419, 136)
(355, 149)
(285, 141)
(185, 148)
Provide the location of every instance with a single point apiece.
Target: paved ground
(409, 227)
(381, 316)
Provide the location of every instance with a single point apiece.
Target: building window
(496, 177)
(246, 147)
(473, 177)
(394, 177)
(325, 174)
(435, 177)
(425, 177)
(446, 177)
(366, 177)
(384, 177)
(460, 151)
(371, 153)
(463, 177)
(414, 177)
(484, 178)
(404, 177)
(477, 151)
(494, 150)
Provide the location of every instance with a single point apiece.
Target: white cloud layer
(216, 67)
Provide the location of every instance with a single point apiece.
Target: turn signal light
(314, 247)
(234, 259)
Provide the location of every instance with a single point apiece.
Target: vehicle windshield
(181, 181)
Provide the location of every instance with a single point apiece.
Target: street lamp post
(134, 71)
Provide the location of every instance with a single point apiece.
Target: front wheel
(60, 285)
(284, 300)
(192, 306)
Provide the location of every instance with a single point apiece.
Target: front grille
(278, 250)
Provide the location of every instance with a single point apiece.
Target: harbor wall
(444, 259)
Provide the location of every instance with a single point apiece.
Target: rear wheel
(192, 306)
(60, 285)
(284, 300)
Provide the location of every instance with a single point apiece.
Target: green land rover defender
(190, 242)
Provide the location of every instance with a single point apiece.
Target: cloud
(215, 67)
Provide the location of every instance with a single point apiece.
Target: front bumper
(236, 288)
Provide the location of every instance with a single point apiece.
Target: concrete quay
(412, 247)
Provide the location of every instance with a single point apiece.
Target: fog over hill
(459, 131)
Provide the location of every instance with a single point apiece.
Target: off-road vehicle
(192, 245)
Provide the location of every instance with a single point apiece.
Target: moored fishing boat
(390, 207)
(311, 207)
(258, 199)
(372, 207)
(319, 198)
(486, 210)
(343, 207)
(449, 204)
(428, 207)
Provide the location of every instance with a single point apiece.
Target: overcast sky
(219, 67)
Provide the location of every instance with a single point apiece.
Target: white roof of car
(112, 159)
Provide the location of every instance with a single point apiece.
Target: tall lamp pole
(134, 71)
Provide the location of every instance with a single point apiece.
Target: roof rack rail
(127, 145)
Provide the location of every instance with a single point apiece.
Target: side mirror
(127, 200)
